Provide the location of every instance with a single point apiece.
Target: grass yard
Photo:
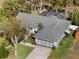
(23, 52)
(73, 53)
(60, 52)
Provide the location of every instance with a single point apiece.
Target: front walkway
(40, 52)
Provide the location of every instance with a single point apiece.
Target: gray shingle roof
(34, 20)
(54, 33)
(54, 27)
(60, 15)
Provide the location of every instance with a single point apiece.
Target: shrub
(13, 7)
(31, 40)
(1, 34)
(74, 17)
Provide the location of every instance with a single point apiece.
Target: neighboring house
(53, 31)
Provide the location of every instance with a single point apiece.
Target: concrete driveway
(39, 52)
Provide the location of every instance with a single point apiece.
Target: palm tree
(14, 32)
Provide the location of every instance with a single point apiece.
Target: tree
(31, 39)
(13, 7)
(3, 51)
(55, 4)
(74, 17)
(66, 3)
(76, 2)
(1, 34)
(14, 33)
(5, 21)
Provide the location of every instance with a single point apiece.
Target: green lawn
(60, 52)
(23, 51)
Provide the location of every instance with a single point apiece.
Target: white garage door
(44, 43)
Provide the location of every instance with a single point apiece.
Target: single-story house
(53, 28)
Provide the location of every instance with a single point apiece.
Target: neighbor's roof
(54, 26)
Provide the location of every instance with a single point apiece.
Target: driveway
(40, 52)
